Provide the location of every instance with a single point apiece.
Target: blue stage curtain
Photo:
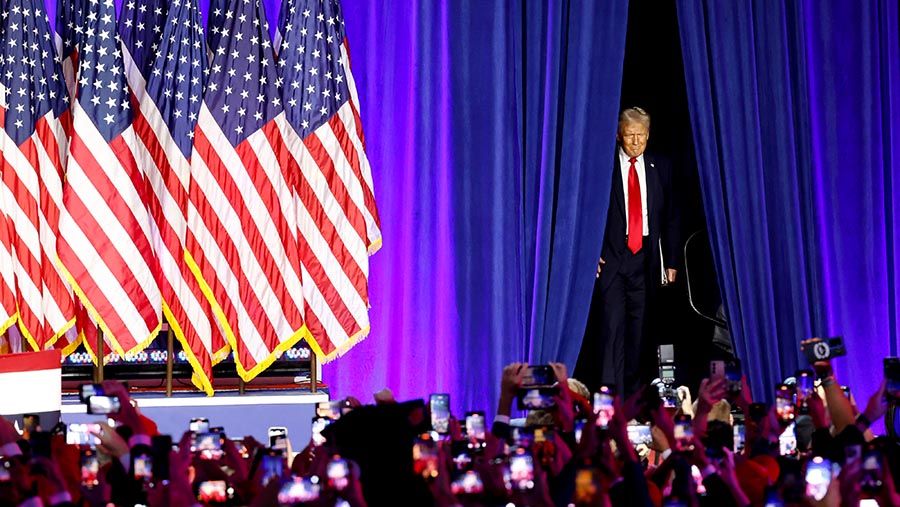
(795, 110)
(490, 128)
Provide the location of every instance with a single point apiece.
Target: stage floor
(241, 414)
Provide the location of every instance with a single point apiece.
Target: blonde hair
(635, 115)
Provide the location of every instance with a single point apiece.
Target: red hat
(773, 470)
(753, 479)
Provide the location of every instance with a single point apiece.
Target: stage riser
(249, 414)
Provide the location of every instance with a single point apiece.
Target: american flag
(215, 24)
(242, 223)
(69, 28)
(336, 206)
(165, 125)
(288, 7)
(140, 28)
(32, 142)
(104, 228)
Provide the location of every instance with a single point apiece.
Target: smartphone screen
(784, 403)
(213, 492)
(787, 442)
(142, 466)
(538, 398)
(467, 483)
(103, 405)
(475, 426)
(82, 435)
(272, 465)
(298, 490)
(818, 477)
(425, 457)
(209, 445)
(539, 375)
(90, 468)
(684, 433)
(804, 386)
(521, 471)
(199, 425)
(278, 436)
(579, 428)
(639, 434)
(734, 376)
(738, 430)
(872, 478)
(337, 472)
(439, 406)
(603, 407)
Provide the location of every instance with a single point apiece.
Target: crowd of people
(813, 447)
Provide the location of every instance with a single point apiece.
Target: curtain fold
(490, 128)
(794, 112)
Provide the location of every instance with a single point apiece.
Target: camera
(665, 355)
(820, 349)
(639, 434)
(90, 468)
(208, 445)
(425, 457)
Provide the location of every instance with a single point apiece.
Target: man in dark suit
(642, 230)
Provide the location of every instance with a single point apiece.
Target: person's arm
(710, 392)
(509, 381)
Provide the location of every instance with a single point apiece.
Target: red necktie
(635, 210)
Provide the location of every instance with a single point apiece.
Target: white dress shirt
(625, 165)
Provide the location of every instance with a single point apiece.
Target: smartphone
(41, 444)
(425, 457)
(330, 409)
(784, 403)
(603, 407)
(537, 398)
(787, 442)
(241, 447)
(758, 412)
(82, 435)
(85, 391)
(278, 435)
(213, 492)
(539, 375)
(892, 378)
(208, 446)
(467, 483)
(319, 424)
(804, 386)
(475, 431)
(852, 453)
(818, 477)
(739, 433)
(872, 478)
(734, 376)
(716, 370)
(103, 405)
(684, 433)
(161, 447)
(337, 472)
(199, 425)
(439, 407)
(639, 434)
(586, 486)
(823, 349)
(90, 468)
(272, 464)
(142, 465)
(521, 471)
(298, 490)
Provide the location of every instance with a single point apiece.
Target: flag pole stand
(241, 386)
(98, 367)
(170, 361)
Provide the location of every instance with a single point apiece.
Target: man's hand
(670, 274)
(600, 266)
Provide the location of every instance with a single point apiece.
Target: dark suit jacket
(664, 224)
